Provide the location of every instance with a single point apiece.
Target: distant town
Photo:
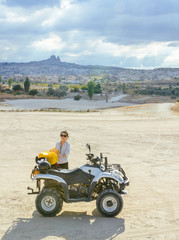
(50, 70)
(52, 78)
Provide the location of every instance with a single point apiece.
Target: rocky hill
(55, 67)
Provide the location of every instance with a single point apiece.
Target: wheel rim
(48, 203)
(109, 204)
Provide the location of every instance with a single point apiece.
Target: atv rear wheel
(109, 203)
(49, 202)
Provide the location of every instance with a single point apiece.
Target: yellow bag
(50, 155)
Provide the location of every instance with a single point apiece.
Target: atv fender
(55, 178)
(108, 175)
(103, 175)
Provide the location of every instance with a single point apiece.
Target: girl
(64, 148)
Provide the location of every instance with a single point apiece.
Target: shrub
(18, 93)
(76, 89)
(17, 87)
(33, 92)
(2, 90)
(77, 97)
(9, 91)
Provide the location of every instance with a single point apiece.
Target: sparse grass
(49, 110)
(175, 107)
(135, 106)
(40, 84)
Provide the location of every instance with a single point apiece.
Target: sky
(123, 33)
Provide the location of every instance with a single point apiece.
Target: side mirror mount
(89, 147)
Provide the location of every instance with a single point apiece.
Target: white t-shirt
(65, 149)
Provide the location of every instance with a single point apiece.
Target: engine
(78, 190)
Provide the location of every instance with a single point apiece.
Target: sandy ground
(144, 139)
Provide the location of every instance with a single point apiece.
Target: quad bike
(96, 180)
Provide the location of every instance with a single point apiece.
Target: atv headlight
(117, 174)
(102, 168)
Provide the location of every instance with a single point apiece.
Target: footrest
(33, 192)
(124, 192)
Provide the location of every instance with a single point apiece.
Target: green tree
(97, 88)
(105, 85)
(50, 91)
(124, 88)
(84, 87)
(10, 82)
(0, 82)
(63, 88)
(27, 85)
(91, 86)
(61, 91)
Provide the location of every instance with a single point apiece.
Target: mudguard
(103, 175)
(49, 176)
(55, 178)
(108, 175)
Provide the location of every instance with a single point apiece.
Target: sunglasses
(63, 135)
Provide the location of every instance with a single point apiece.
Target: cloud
(172, 59)
(139, 56)
(119, 23)
(53, 42)
(122, 33)
(31, 3)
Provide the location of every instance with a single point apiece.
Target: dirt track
(143, 139)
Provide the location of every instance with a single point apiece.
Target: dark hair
(65, 132)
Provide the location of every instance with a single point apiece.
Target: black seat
(72, 176)
(66, 171)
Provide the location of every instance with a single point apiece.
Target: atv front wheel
(109, 203)
(49, 202)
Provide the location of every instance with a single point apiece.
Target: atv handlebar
(90, 156)
(97, 160)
